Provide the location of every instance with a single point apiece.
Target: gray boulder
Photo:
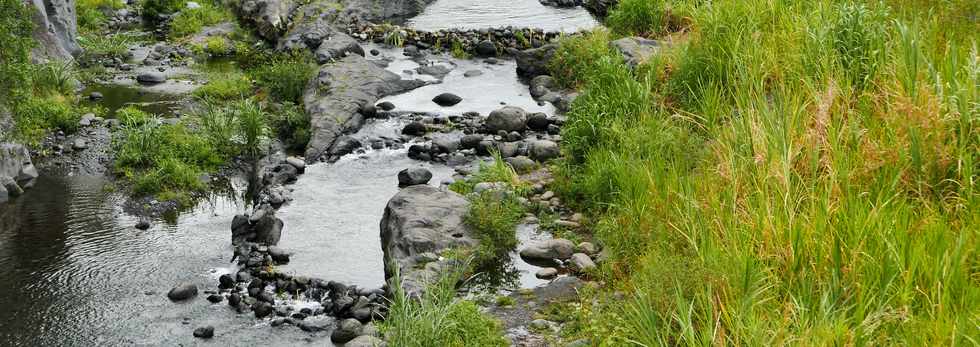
(334, 98)
(151, 77)
(543, 150)
(17, 172)
(339, 45)
(269, 17)
(538, 121)
(182, 292)
(521, 164)
(414, 176)
(581, 262)
(636, 50)
(365, 341)
(347, 330)
(508, 118)
(55, 30)
(548, 250)
(546, 273)
(534, 62)
(486, 48)
(417, 220)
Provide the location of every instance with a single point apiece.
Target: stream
(77, 273)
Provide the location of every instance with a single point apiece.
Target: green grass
(96, 46)
(285, 77)
(35, 117)
(638, 17)
(225, 86)
(292, 125)
(92, 14)
(152, 9)
(190, 21)
(788, 173)
(438, 318)
(494, 218)
(16, 41)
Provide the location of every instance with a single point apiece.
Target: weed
(190, 21)
(494, 216)
(458, 51)
(225, 87)
(285, 78)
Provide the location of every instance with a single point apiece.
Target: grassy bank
(783, 173)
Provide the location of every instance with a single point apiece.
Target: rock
(297, 163)
(347, 330)
(543, 150)
(547, 250)
(508, 119)
(410, 50)
(562, 289)
(489, 186)
(587, 248)
(445, 144)
(579, 343)
(365, 341)
(88, 119)
(215, 298)
(414, 129)
(538, 121)
(521, 164)
(435, 70)
(413, 176)
(15, 162)
(338, 46)
(534, 62)
(262, 309)
(470, 141)
(335, 97)
(540, 324)
(278, 255)
(369, 111)
(546, 273)
(56, 30)
(204, 332)
(143, 224)
(486, 48)
(151, 77)
(8, 187)
(472, 73)
(315, 325)
(182, 292)
(636, 50)
(386, 106)
(95, 96)
(582, 263)
(226, 281)
(269, 17)
(447, 99)
(234, 300)
(420, 219)
(375, 52)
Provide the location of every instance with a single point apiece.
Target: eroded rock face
(422, 219)
(334, 98)
(17, 172)
(270, 17)
(55, 29)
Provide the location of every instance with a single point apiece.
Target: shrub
(494, 216)
(54, 78)
(35, 117)
(638, 17)
(190, 21)
(252, 125)
(285, 78)
(152, 9)
(92, 13)
(225, 87)
(16, 41)
(96, 46)
(292, 126)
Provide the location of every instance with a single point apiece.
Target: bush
(190, 21)
(225, 87)
(16, 41)
(494, 216)
(292, 126)
(252, 125)
(638, 17)
(53, 78)
(92, 13)
(35, 117)
(152, 9)
(160, 158)
(97, 46)
(285, 78)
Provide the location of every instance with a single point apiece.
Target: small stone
(486, 48)
(540, 324)
(234, 300)
(297, 163)
(204, 332)
(414, 129)
(472, 73)
(447, 99)
(587, 248)
(151, 77)
(546, 273)
(79, 144)
(582, 263)
(543, 150)
(215, 298)
(182, 292)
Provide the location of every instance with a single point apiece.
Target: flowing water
(480, 14)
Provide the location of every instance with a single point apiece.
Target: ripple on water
(479, 14)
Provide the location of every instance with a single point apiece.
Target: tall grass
(793, 173)
(285, 78)
(190, 21)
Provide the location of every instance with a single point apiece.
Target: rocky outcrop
(270, 17)
(636, 50)
(16, 170)
(418, 223)
(534, 62)
(334, 98)
(55, 30)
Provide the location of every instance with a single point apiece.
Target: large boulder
(548, 250)
(508, 118)
(17, 172)
(182, 292)
(636, 50)
(55, 30)
(414, 176)
(422, 219)
(337, 46)
(543, 150)
(600, 8)
(269, 17)
(334, 98)
(347, 330)
(534, 62)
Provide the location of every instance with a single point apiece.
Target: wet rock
(15, 163)
(338, 46)
(470, 141)
(447, 99)
(278, 255)
(547, 250)
(636, 50)
(347, 330)
(543, 150)
(182, 292)
(143, 224)
(410, 50)
(581, 262)
(315, 325)
(226, 281)
(95, 96)
(534, 62)
(437, 71)
(204, 332)
(413, 176)
(486, 48)
(386, 106)
(414, 129)
(417, 220)
(508, 118)
(261, 309)
(234, 300)
(335, 97)
(369, 111)
(215, 298)
(8, 187)
(375, 52)
(472, 73)
(151, 77)
(538, 121)
(546, 273)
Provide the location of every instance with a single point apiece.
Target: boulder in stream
(182, 292)
(447, 99)
(508, 118)
(413, 176)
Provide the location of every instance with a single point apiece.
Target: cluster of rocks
(86, 151)
(558, 255)
(481, 42)
(17, 172)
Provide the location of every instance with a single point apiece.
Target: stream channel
(77, 273)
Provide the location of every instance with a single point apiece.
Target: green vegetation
(35, 117)
(494, 216)
(108, 46)
(152, 9)
(190, 21)
(92, 14)
(16, 42)
(784, 173)
(438, 318)
(292, 125)
(285, 78)
(458, 51)
(225, 86)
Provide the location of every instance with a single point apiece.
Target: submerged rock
(182, 292)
